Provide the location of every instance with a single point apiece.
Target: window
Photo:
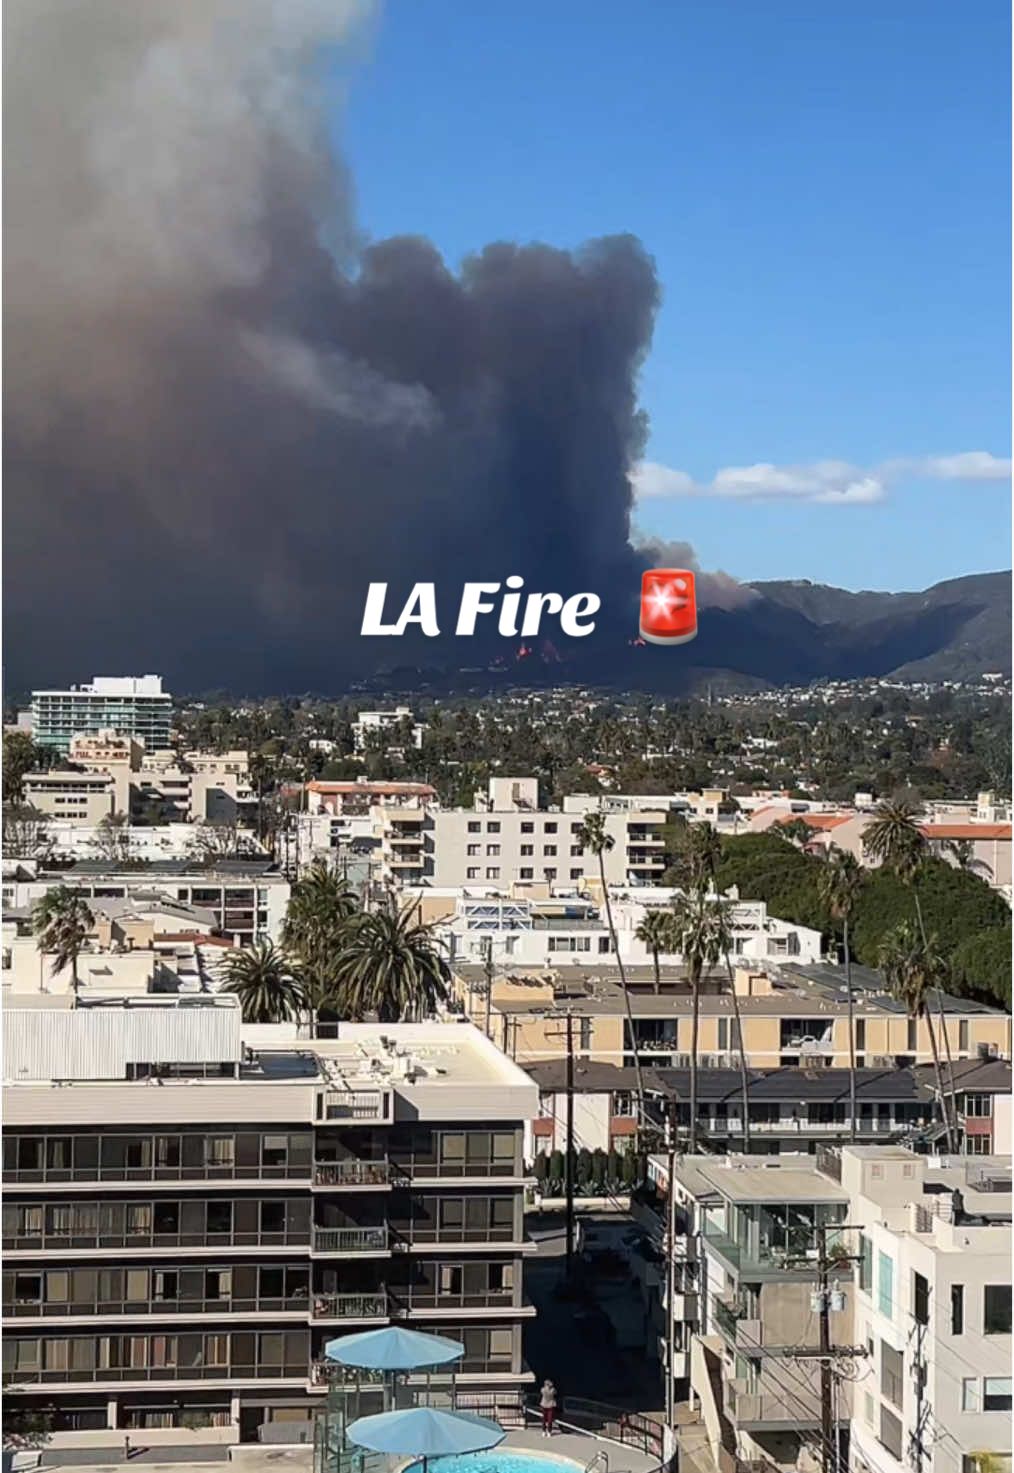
(885, 1284)
(865, 1265)
(501, 1347)
(471, 874)
(963, 1035)
(957, 1309)
(920, 1299)
(527, 828)
(979, 1106)
(274, 1150)
(550, 850)
(475, 828)
(493, 828)
(550, 828)
(996, 1394)
(450, 1278)
(493, 851)
(996, 1309)
(493, 874)
(890, 1433)
(474, 850)
(549, 874)
(892, 1370)
(970, 1394)
(912, 1035)
(526, 874)
(576, 874)
(527, 850)
(860, 1034)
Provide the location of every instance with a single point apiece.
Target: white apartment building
(389, 823)
(195, 786)
(507, 841)
(552, 932)
(933, 1310)
(65, 838)
(134, 704)
(371, 722)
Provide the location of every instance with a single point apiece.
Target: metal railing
(351, 1173)
(61, 1241)
(350, 1306)
(350, 1240)
(276, 1304)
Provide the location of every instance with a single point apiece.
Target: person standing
(547, 1402)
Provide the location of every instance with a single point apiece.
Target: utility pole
(670, 1267)
(568, 1156)
(488, 965)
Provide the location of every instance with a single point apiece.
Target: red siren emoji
(668, 606)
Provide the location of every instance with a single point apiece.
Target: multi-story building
(391, 824)
(789, 1014)
(245, 899)
(933, 1311)
(193, 1208)
(789, 1110)
(134, 705)
(982, 1099)
(369, 724)
(79, 798)
(558, 930)
(745, 1340)
(506, 840)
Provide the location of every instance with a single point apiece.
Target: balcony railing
(350, 1240)
(152, 1172)
(292, 1304)
(432, 1233)
(356, 1104)
(421, 1299)
(748, 1406)
(350, 1306)
(351, 1173)
(112, 1374)
(456, 1170)
(66, 1241)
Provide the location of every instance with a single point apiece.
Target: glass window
(494, 827)
(970, 1394)
(920, 1299)
(501, 1345)
(890, 1432)
(996, 1309)
(996, 1394)
(865, 1264)
(957, 1309)
(475, 828)
(452, 1146)
(892, 1368)
(527, 828)
(885, 1284)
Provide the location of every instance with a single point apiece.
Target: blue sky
(825, 189)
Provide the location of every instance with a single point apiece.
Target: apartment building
(194, 1207)
(745, 1251)
(78, 798)
(245, 899)
(933, 1311)
(192, 786)
(556, 930)
(789, 1110)
(982, 1098)
(506, 840)
(388, 823)
(112, 753)
(370, 724)
(790, 1015)
(134, 705)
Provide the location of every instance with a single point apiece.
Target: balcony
(146, 1309)
(350, 1306)
(348, 1242)
(352, 1172)
(356, 1104)
(750, 1407)
(424, 1301)
(71, 1242)
(744, 1333)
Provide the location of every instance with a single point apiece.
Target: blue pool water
(496, 1461)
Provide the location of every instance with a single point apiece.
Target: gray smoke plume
(226, 415)
(716, 590)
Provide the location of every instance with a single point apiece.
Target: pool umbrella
(425, 1432)
(393, 1349)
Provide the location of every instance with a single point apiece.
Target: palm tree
(266, 982)
(839, 884)
(913, 968)
(390, 965)
(62, 921)
(314, 931)
(704, 934)
(796, 831)
(593, 837)
(962, 851)
(697, 868)
(893, 837)
(654, 931)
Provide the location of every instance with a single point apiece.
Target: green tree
(962, 851)
(980, 965)
(594, 838)
(315, 931)
(796, 831)
(655, 931)
(912, 969)
(267, 984)
(840, 886)
(391, 965)
(20, 755)
(62, 921)
(704, 935)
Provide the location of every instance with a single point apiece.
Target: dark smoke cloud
(225, 416)
(716, 590)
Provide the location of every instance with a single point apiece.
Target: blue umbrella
(426, 1432)
(393, 1349)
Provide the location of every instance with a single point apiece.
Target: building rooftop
(766, 1179)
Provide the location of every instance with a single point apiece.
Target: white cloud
(825, 482)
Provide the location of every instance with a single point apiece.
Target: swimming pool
(496, 1460)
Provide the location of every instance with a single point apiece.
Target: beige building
(211, 787)
(791, 1015)
(80, 798)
